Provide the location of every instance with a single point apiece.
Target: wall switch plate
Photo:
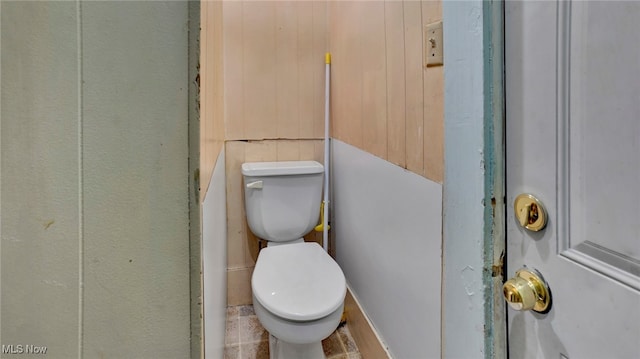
(433, 49)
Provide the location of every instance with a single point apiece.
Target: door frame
(474, 212)
(195, 210)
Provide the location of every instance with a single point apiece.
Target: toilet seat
(299, 282)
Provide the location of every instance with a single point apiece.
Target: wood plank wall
(274, 69)
(211, 91)
(384, 100)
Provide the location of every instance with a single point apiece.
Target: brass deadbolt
(530, 212)
(527, 291)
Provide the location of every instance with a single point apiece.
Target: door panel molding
(573, 241)
(612, 264)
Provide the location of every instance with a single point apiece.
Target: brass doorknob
(527, 291)
(530, 212)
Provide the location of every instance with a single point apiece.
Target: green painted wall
(94, 226)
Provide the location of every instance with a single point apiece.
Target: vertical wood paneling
(273, 69)
(338, 46)
(434, 125)
(431, 11)
(346, 71)
(233, 52)
(239, 286)
(307, 150)
(287, 70)
(397, 116)
(308, 64)
(320, 47)
(433, 105)
(238, 292)
(234, 156)
(319, 151)
(211, 91)
(218, 91)
(287, 150)
(351, 77)
(414, 86)
(374, 79)
(259, 69)
(258, 151)
(394, 32)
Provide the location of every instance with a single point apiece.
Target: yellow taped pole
(325, 202)
(320, 227)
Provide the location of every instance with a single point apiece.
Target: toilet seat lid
(298, 281)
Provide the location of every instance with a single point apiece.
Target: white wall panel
(214, 252)
(387, 224)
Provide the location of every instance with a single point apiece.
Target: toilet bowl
(298, 289)
(298, 296)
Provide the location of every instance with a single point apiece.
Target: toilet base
(279, 349)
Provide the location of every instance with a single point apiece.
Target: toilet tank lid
(281, 168)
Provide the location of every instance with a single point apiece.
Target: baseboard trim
(369, 343)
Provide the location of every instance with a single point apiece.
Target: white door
(573, 141)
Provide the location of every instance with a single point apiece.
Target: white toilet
(298, 289)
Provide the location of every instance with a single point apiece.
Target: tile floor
(247, 339)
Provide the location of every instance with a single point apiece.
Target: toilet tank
(282, 199)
